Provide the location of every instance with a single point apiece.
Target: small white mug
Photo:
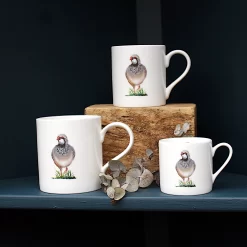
(139, 75)
(186, 165)
(70, 152)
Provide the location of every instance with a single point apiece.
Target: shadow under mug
(139, 75)
(186, 165)
(70, 152)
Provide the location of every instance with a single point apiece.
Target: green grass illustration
(186, 184)
(67, 175)
(139, 92)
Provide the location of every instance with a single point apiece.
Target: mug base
(136, 106)
(186, 193)
(67, 193)
(67, 187)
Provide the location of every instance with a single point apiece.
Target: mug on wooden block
(139, 75)
(186, 165)
(70, 152)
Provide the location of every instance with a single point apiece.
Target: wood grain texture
(149, 125)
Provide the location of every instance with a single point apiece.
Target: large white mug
(70, 152)
(186, 165)
(139, 75)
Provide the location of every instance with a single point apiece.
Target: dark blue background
(214, 34)
(55, 59)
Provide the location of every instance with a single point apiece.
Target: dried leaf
(134, 173)
(155, 174)
(149, 153)
(119, 194)
(158, 181)
(121, 181)
(123, 169)
(105, 179)
(186, 127)
(145, 164)
(102, 179)
(115, 174)
(124, 186)
(178, 131)
(132, 184)
(106, 176)
(110, 192)
(133, 187)
(157, 177)
(178, 127)
(138, 163)
(101, 174)
(115, 183)
(116, 165)
(104, 188)
(106, 183)
(146, 178)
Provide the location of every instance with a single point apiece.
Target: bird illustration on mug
(185, 167)
(136, 73)
(63, 155)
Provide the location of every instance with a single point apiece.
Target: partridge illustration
(186, 166)
(63, 154)
(136, 72)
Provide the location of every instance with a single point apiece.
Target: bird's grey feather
(185, 168)
(63, 155)
(136, 74)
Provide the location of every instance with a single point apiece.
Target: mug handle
(167, 62)
(227, 160)
(102, 137)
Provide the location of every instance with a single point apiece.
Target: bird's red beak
(58, 138)
(131, 58)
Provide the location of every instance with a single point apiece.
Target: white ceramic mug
(70, 152)
(139, 75)
(186, 165)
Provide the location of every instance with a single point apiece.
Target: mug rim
(121, 46)
(185, 140)
(67, 118)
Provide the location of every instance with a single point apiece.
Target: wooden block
(149, 125)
